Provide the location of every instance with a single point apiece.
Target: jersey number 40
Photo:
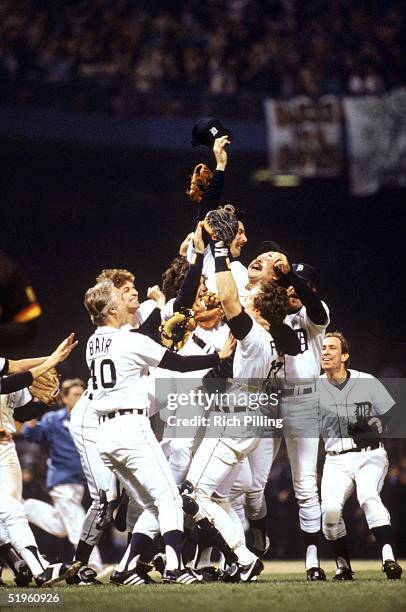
(103, 373)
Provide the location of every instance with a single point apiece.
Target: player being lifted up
(353, 407)
(118, 360)
(216, 459)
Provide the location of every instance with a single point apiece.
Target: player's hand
(155, 293)
(198, 242)
(376, 423)
(280, 262)
(5, 436)
(220, 152)
(185, 244)
(62, 351)
(228, 347)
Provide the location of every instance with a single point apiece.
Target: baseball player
(294, 377)
(118, 360)
(14, 528)
(84, 425)
(216, 459)
(65, 478)
(353, 406)
(210, 201)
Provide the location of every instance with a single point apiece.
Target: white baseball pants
(364, 471)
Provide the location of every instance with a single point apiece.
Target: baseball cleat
(159, 563)
(22, 574)
(55, 572)
(181, 576)
(127, 578)
(243, 573)
(209, 573)
(3, 585)
(142, 570)
(343, 573)
(316, 574)
(85, 576)
(392, 570)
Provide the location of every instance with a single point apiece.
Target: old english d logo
(363, 410)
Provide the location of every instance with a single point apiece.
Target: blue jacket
(63, 462)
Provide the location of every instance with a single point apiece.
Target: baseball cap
(305, 271)
(206, 130)
(269, 245)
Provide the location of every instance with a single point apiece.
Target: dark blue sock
(139, 542)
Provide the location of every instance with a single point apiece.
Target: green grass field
(281, 587)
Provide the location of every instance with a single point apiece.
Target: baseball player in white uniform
(352, 408)
(84, 426)
(295, 379)
(118, 360)
(14, 526)
(216, 460)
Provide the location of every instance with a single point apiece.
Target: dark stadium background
(69, 211)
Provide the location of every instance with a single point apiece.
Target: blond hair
(98, 301)
(117, 276)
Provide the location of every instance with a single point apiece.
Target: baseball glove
(208, 311)
(365, 430)
(200, 178)
(45, 388)
(222, 224)
(176, 330)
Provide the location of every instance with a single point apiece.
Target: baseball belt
(230, 409)
(290, 391)
(121, 412)
(372, 446)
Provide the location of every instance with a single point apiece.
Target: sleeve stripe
(31, 312)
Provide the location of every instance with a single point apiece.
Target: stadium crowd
(114, 56)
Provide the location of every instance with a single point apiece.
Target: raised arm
(309, 297)
(212, 194)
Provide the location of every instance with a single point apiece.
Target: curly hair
(172, 277)
(98, 300)
(117, 276)
(272, 302)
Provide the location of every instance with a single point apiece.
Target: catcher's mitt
(222, 224)
(208, 311)
(365, 430)
(176, 330)
(199, 180)
(45, 388)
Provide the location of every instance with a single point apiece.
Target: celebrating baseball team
(191, 493)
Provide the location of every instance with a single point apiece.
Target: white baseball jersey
(118, 360)
(254, 354)
(361, 396)
(304, 367)
(7, 405)
(144, 311)
(238, 270)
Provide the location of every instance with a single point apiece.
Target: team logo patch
(363, 410)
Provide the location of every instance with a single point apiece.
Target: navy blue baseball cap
(206, 130)
(269, 245)
(305, 271)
